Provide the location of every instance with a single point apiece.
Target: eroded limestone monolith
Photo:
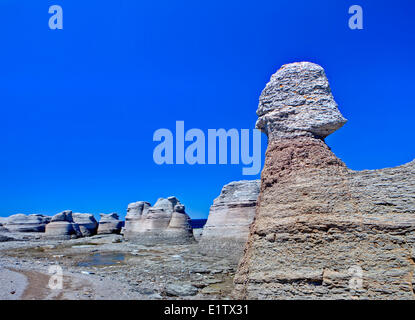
(321, 230)
(164, 223)
(227, 228)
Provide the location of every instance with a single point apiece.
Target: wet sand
(13, 284)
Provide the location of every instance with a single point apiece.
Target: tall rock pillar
(319, 232)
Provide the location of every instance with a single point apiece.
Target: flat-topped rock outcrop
(321, 230)
(227, 228)
(86, 223)
(26, 223)
(62, 226)
(109, 223)
(165, 222)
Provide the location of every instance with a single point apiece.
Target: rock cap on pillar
(297, 101)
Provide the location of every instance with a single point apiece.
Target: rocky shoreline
(155, 254)
(108, 267)
(311, 228)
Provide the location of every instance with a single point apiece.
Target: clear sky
(79, 106)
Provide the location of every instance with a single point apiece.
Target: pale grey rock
(136, 213)
(5, 237)
(3, 222)
(62, 226)
(87, 224)
(109, 223)
(197, 233)
(297, 101)
(27, 223)
(165, 222)
(63, 216)
(227, 228)
(180, 289)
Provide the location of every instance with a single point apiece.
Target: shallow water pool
(100, 259)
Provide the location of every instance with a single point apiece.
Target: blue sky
(79, 106)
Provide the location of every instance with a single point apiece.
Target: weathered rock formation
(227, 229)
(27, 223)
(3, 222)
(3, 228)
(109, 223)
(197, 233)
(134, 217)
(86, 223)
(165, 222)
(297, 102)
(321, 230)
(62, 226)
(4, 238)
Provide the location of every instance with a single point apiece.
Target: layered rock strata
(86, 223)
(3, 228)
(321, 230)
(109, 223)
(227, 228)
(62, 226)
(27, 223)
(164, 223)
(136, 211)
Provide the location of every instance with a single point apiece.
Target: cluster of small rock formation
(322, 230)
(64, 225)
(165, 222)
